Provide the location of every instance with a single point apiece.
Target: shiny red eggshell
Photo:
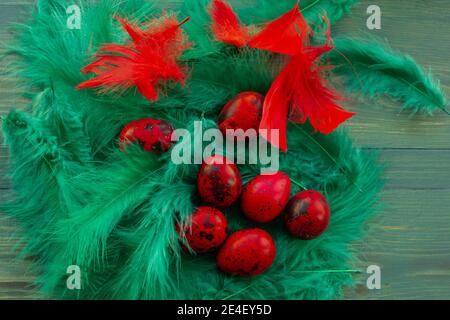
(265, 197)
(219, 183)
(242, 112)
(307, 215)
(206, 231)
(152, 134)
(247, 252)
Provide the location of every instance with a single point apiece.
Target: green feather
(107, 202)
(41, 174)
(258, 11)
(375, 69)
(199, 28)
(314, 10)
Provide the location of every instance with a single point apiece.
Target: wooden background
(410, 240)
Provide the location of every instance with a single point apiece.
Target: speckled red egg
(247, 252)
(219, 182)
(242, 112)
(152, 134)
(265, 197)
(307, 215)
(206, 231)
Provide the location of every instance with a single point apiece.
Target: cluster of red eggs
(263, 199)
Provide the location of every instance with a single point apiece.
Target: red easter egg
(265, 197)
(307, 215)
(219, 182)
(247, 252)
(152, 134)
(242, 112)
(206, 231)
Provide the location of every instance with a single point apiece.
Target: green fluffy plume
(81, 201)
(376, 70)
(258, 11)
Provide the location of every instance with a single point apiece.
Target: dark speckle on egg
(153, 135)
(307, 215)
(247, 252)
(242, 112)
(219, 183)
(206, 230)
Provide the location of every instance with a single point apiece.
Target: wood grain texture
(410, 239)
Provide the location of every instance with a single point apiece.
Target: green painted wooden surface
(410, 239)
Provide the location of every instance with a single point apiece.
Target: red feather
(226, 25)
(301, 91)
(275, 113)
(310, 97)
(286, 35)
(146, 62)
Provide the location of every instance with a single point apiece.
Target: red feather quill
(150, 59)
(226, 26)
(285, 35)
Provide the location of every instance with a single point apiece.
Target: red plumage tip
(299, 93)
(149, 60)
(226, 26)
(286, 35)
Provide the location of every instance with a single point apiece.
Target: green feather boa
(81, 201)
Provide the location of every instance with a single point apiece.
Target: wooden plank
(409, 239)
(15, 278)
(410, 244)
